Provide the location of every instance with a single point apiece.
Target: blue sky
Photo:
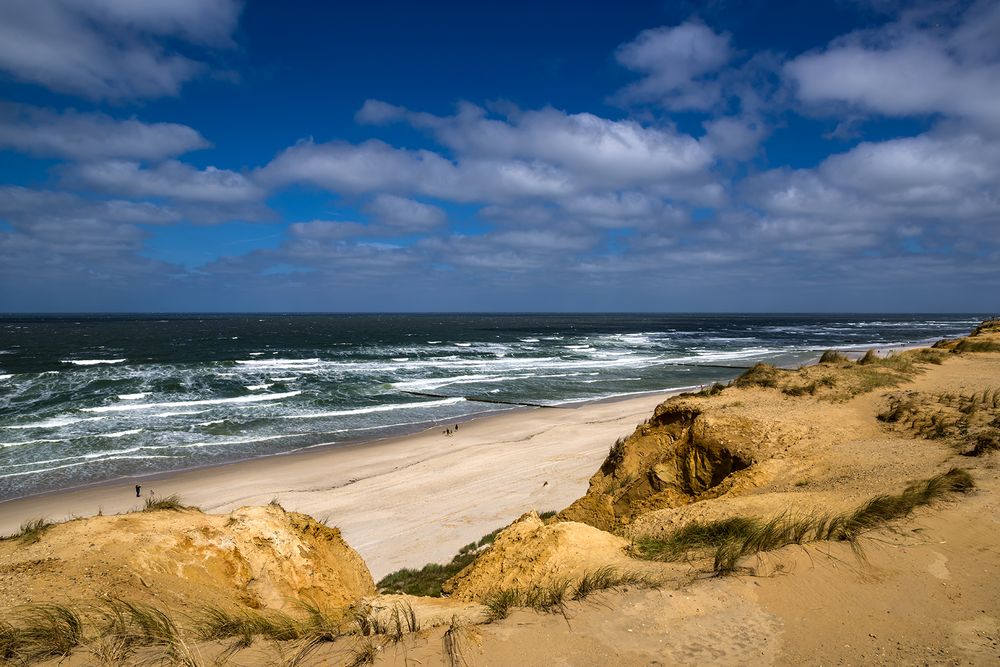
(214, 155)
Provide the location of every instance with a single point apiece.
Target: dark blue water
(90, 398)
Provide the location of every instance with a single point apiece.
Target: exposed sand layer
(260, 557)
(402, 502)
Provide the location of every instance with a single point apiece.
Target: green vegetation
(43, 631)
(833, 357)
(728, 541)
(553, 597)
(966, 345)
(760, 375)
(171, 503)
(30, 531)
(427, 580)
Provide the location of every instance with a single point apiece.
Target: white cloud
(405, 214)
(904, 69)
(110, 49)
(92, 136)
(171, 179)
(325, 230)
(544, 154)
(735, 138)
(21, 206)
(675, 63)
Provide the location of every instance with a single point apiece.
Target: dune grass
(833, 357)
(30, 531)
(427, 581)
(553, 596)
(452, 642)
(728, 541)
(170, 503)
(966, 345)
(43, 631)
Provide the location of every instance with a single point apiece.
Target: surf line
(743, 368)
(482, 400)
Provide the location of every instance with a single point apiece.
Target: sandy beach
(400, 502)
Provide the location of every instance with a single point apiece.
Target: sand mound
(263, 557)
(683, 453)
(530, 554)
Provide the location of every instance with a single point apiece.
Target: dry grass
(728, 541)
(553, 596)
(30, 531)
(966, 345)
(42, 631)
(169, 503)
(834, 357)
(452, 641)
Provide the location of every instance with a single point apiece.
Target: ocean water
(90, 398)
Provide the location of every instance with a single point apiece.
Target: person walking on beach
(138, 491)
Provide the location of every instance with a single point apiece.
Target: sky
(218, 155)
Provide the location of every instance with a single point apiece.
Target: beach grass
(30, 531)
(552, 596)
(833, 357)
(427, 581)
(43, 631)
(728, 541)
(167, 503)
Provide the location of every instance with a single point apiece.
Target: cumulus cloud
(530, 155)
(20, 207)
(675, 63)
(92, 136)
(171, 179)
(325, 230)
(904, 69)
(111, 49)
(404, 214)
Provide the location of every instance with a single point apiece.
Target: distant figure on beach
(138, 491)
(456, 427)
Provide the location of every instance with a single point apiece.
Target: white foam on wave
(288, 379)
(256, 398)
(210, 423)
(377, 408)
(92, 362)
(436, 383)
(80, 463)
(528, 340)
(55, 422)
(32, 442)
(119, 434)
(258, 387)
(463, 344)
(400, 358)
(278, 363)
(133, 397)
(6, 376)
(179, 413)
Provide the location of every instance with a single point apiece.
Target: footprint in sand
(939, 567)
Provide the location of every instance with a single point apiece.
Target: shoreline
(386, 476)
(401, 501)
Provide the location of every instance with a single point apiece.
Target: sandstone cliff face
(683, 453)
(262, 557)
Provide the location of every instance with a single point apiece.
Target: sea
(91, 398)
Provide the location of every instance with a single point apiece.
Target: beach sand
(400, 502)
